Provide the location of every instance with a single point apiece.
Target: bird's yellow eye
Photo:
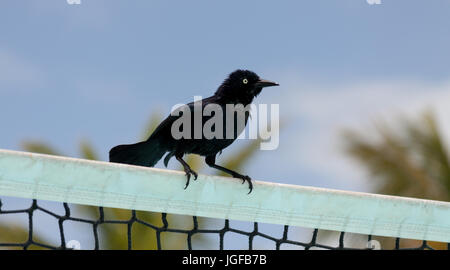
(244, 81)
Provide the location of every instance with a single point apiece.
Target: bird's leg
(187, 170)
(211, 161)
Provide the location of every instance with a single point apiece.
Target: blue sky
(98, 70)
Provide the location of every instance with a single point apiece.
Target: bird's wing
(205, 101)
(164, 127)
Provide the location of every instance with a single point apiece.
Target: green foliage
(39, 147)
(409, 159)
(87, 151)
(11, 233)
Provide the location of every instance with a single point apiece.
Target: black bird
(240, 87)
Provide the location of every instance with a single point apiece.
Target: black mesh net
(106, 228)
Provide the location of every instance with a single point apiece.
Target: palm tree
(408, 160)
(115, 236)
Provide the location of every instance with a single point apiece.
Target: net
(91, 208)
(311, 239)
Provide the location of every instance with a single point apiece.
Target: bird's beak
(265, 83)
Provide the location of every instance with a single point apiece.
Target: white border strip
(106, 184)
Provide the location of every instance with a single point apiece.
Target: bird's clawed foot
(245, 178)
(189, 172)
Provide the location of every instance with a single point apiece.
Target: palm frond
(14, 233)
(39, 147)
(411, 161)
(87, 151)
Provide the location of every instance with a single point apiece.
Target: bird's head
(243, 85)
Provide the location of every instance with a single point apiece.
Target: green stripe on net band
(78, 181)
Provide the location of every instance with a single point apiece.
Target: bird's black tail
(146, 153)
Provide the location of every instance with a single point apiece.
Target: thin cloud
(15, 72)
(324, 111)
